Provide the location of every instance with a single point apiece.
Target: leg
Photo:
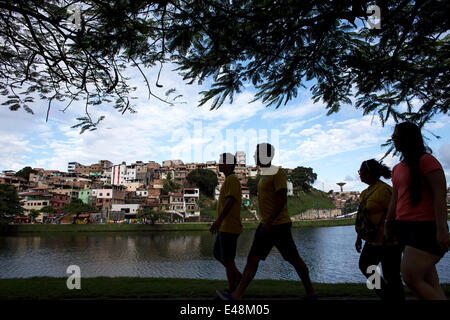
(225, 253)
(249, 273)
(433, 279)
(390, 262)
(303, 272)
(261, 246)
(417, 270)
(371, 255)
(233, 275)
(286, 245)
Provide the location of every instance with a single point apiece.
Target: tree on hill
(33, 214)
(169, 185)
(252, 184)
(78, 207)
(10, 206)
(77, 50)
(205, 180)
(150, 214)
(48, 210)
(302, 178)
(25, 173)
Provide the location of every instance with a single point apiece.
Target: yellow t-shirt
(267, 188)
(377, 202)
(231, 188)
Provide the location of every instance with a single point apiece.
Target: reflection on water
(328, 252)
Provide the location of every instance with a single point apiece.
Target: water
(328, 251)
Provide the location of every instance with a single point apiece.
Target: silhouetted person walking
(418, 205)
(374, 202)
(228, 222)
(275, 226)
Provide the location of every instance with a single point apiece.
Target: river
(328, 252)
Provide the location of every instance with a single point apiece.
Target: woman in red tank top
(418, 206)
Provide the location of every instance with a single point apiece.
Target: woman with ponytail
(374, 203)
(418, 206)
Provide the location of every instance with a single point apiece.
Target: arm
(229, 202)
(436, 182)
(390, 216)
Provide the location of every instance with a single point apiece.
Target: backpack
(365, 228)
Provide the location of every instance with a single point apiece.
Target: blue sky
(303, 135)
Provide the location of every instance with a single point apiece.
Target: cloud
(349, 178)
(14, 150)
(444, 155)
(333, 138)
(298, 111)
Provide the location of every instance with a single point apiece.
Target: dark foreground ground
(44, 288)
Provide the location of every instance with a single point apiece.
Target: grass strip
(45, 288)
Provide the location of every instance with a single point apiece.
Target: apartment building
(176, 202)
(118, 174)
(191, 197)
(35, 200)
(108, 196)
(129, 210)
(240, 158)
(180, 175)
(58, 201)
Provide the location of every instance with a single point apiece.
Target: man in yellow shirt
(275, 226)
(228, 222)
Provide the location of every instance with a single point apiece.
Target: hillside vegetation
(315, 199)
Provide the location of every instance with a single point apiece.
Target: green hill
(211, 211)
(296, 204)
(315, 199)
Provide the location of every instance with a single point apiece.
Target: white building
(290, 188)
(71, 166)
(130, 173)
(217, 193)
(127, 209)
(106, 176)
(102, 193)
(119, 174)
(240, 158)
(176, 202)
(191, 197)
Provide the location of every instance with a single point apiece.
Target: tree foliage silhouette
(399, 71)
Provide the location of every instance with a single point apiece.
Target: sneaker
(224, 295)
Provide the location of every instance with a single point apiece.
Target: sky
(301, 132)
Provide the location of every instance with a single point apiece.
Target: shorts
(225, 246)
(420, 235)
(279, 236)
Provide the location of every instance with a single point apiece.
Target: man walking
(274, 228)
(228, 223)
